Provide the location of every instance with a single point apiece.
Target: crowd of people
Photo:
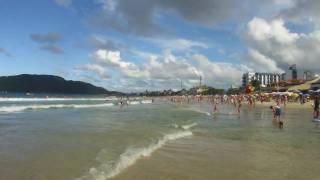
(277, 102)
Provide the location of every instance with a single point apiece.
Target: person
(276, 110)
(215, 109)
(239, 106)
(316, 107)
(278, 116)
(273, 112)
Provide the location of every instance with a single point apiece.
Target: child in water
(277, 114)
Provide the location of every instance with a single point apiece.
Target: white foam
(3, 99)
(146, 102)
(130, 157)
(202, 112)
(133, 102)
(10, 109)
(188, 126)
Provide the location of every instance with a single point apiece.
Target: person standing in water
(215, 109)
(277, 115)
(239, 105)
(316, 107)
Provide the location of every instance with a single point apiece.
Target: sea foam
(188, 126)
(200, 111)
(185, 127)
(130, 157)
(4, 99)
(10, 109)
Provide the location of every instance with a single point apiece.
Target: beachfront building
(265, 79)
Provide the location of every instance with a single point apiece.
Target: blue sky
(139, 44)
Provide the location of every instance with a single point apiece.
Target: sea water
(94, 138)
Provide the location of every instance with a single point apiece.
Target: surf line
(199, 111)
(11, 109)
(131, 156)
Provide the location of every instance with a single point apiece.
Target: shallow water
(82, 139)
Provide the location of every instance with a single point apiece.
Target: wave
(188, 126)
(202, 112)
(185, 127)
(146, 102)
(10, 109)
(130, 157)
(2, 99)
(133, 102)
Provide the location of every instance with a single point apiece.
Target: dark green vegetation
(48, 84)
(203, 90)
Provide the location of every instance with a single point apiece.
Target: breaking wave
(130, 157)
(2, 99)
(188, 126)
(185, 127)
(202, 112)
(9, 109)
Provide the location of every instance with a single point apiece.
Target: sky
(138, 45)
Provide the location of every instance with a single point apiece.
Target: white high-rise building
(264, 78)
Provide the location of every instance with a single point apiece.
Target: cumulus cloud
(5, 52)
(165, 71)
(219, 74)
(96, 69)
(261, 63)
(273, 46)
(112, 58)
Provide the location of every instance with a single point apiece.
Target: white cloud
(262, 63)
(273, 46)
(165, 71)
(95, 68)
(219, 74)
(261, 30)
(107, 58)
(179, 44)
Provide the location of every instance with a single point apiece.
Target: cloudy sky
(134, 45)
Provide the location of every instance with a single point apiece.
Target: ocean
(89, 138)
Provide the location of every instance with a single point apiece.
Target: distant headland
(30, 83)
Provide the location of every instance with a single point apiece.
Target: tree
(256, 84)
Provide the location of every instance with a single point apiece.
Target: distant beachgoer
(316, 107)
(239, 106)
(215, 109)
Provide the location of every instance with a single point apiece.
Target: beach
(94, 139)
